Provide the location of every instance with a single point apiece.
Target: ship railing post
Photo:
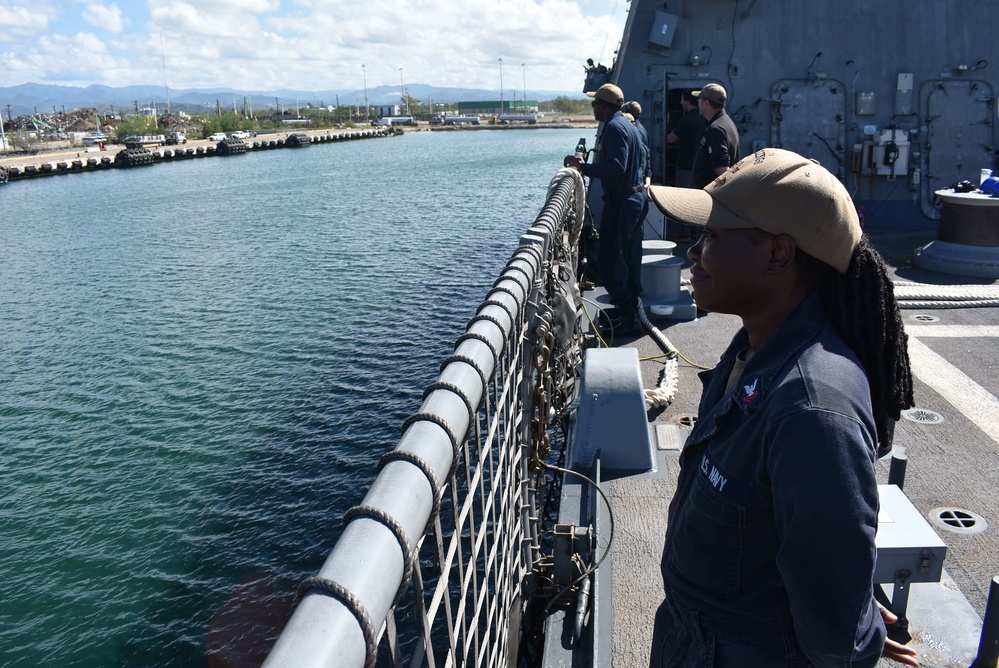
(896, 471)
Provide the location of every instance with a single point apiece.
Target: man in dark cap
(718, 148)
(686, 135)
(777, 489)
(634, 109)
(620, 165)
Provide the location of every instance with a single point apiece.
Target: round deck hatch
(958, 520)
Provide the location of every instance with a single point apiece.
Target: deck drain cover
(922, 416)
(685, 420)
(958, 520)
(923, 317)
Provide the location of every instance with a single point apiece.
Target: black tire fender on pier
(231, 146)
(133, 157)
(297, 140)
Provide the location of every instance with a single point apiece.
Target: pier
(87, 159)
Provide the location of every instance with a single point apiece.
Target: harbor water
(201, 363)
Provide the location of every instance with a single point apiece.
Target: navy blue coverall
(621, 170)
(769, 553)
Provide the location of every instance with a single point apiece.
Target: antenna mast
(165, 85)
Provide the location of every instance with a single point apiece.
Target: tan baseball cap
(609, 93)
(632, 107)
(713, 92)
(777, 191)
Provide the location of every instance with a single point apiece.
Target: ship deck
(953, 463)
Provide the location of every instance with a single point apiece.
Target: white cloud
(26, 15)
(69, 59)
(321, 44)
(105, 17)
(227, 6)
(250, 6)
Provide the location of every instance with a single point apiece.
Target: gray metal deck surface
(951, 464)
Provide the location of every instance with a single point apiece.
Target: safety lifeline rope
(663, 394)
(922, 295)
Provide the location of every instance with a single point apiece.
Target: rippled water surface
(201, 362)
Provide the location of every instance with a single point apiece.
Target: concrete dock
(71, 159)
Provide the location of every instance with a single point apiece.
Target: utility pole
(3, 135)
(501, 86)
(338, 109)
(402, 90)
(165, 84)
(524, 68)
(364, 73)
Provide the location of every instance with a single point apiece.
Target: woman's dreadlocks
(862, 306)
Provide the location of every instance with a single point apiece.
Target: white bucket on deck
(661, 278)
(657, 247)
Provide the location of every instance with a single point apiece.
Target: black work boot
(619, 320)
(629, 316)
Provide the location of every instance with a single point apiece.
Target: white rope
(580, 187)
(974, 303)
(922, 295)
(662, 395)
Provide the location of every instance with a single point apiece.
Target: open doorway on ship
(671, 112)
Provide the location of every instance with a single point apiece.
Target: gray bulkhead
(896, 97)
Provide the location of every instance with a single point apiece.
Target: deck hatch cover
(922, 416)
(958, 520)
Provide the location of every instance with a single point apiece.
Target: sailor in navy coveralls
(769, 552)
(621, 170)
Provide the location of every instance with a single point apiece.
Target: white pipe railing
(460, 476)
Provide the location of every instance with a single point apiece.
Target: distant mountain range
(32, 98)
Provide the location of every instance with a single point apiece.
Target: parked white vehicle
(218, 136)
(240, 134)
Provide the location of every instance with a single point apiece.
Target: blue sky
(307, 44)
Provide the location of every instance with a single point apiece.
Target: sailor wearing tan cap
(718, 148)
(769, 553)
(620, 167)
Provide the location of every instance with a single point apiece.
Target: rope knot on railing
(353, 604)
(379, 515)
(420, 463)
